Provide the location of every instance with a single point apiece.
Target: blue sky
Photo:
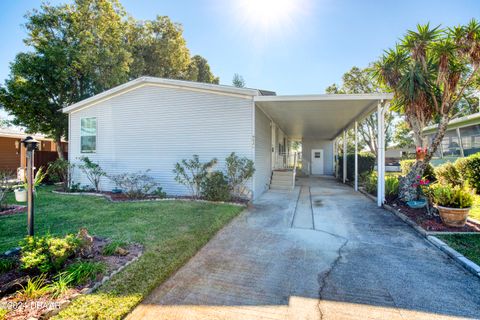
(294, 47)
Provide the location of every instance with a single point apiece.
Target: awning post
(356, 156)
(344, 156)
(380, 153)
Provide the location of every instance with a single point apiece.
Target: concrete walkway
(321, 251)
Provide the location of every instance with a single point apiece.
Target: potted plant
(21, 189)
(420, 200)
(453, 203)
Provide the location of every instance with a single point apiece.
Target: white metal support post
(381, 153)
(344, 156)
(335, 158)
(356, 156)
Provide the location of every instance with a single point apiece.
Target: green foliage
(62, 170)
(366, 163)
(83, 271)
(191, 173)
(371, 183)
(6, 186)
(469, 168)
(450, 196)
(200, 71)
(391, 186)
(111, 248)
(238, 81)
(402, 136)
(135, 185)
(62, 282)
(47, 253)
(238, 171)
(3, 314)
(160, 193)
(92, 171)
(35, 288)
(406, 166)
(7, 264)
(215, 187)
(448, 173)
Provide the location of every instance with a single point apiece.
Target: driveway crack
(323, 280)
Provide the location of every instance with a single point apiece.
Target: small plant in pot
(21, 189)
(453, 203)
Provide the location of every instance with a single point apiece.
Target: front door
(317, 161)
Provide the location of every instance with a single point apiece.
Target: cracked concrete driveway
(321, 251)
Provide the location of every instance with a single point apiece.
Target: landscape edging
(466, 263)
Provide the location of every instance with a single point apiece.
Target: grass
(82, 271)
(171, 232)
(475, 212)
(111, 248)
(466, 244)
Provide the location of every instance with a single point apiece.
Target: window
(88, 135)
(450, 144)
(317, 155)
(470, 139)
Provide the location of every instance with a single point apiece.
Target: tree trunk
(58, 142)
(406, 191)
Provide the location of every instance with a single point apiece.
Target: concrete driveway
(321, 251)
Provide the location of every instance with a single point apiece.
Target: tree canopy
(238, 81)
(81, 49)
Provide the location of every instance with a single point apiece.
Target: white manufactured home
(152, 123)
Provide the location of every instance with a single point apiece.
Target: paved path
(321, 251)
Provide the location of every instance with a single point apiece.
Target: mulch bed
(431, 222)
(46, 306)
(12, 209)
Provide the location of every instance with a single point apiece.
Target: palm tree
(428, 72)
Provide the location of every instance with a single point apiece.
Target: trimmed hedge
(469, 169)
(366, 163)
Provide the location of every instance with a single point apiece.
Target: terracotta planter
(453, 217)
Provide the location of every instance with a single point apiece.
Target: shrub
(215, 187)
(406, 166)
(6, 264)
(371, 183)
(62, 170)
(135, 185)
(391, 186)
(160, 193)
(450, 196)
(238, 171)
(83, 271)
(469, 168)
(366, 163)
(448, 173)
(191, 173)
(47, 253)
(93, 171)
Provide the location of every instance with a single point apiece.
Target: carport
(327, 117)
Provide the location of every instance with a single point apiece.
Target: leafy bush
(62, 170)
(159, 193)
(83, 271)
(112, 248)
(6, 264)
(469, 168)
(93, 171)
(215, 187)
(191, 173)
(450, 196)
(391, 186)
(35, 288)
(448, 173)
(366, 163)
(406, 166)
(135, 185)
(47, 253)
(6, 186)
(371, 183)
(238, 171)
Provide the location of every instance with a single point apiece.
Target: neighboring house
(12, 152)
(152, 123)
(461, 139)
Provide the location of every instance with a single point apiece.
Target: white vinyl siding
(153, 127)
(326, 145)
(263, 142)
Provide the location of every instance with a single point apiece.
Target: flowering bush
(420, 185)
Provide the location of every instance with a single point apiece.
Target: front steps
(282, 180)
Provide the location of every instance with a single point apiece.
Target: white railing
(288, 160)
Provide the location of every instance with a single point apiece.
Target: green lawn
(466, 244)
(171, 231)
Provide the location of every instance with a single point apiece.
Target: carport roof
(321, 117)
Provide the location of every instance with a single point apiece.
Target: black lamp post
(31, 145)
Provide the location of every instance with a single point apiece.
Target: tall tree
(429, 73)
(158, 49)
(75, 51)
(238, 81)
(357, 81)
(402, 136)
(200, 70)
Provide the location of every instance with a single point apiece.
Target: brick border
(466, 263)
